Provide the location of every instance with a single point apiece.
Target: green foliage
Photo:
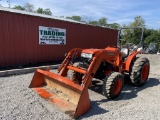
(102, 21)
(134, 35)
(152, 36)
(47, 12)
(39, 10)
(76, 18)
(138, 21)
(114, 26)
(129, 35)
(18, 7)
(29, 7)
(93, 23)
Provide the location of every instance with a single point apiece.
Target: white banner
(49, 35)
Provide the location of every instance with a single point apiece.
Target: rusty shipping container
(19, 37)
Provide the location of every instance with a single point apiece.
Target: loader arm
(64, 93)
(96, 61)
(62, 70)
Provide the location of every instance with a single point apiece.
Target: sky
(116, 11)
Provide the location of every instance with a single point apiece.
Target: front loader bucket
(66, 95)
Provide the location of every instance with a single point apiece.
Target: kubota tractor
(69, 90)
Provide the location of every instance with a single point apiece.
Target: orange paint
(43, 93)
(71, 97)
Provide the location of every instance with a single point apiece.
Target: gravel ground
(17, 101)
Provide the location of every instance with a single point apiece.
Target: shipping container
(20, 33)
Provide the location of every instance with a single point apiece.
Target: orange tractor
(68, 89)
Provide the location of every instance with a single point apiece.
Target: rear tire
(112, 85)
(139, 71)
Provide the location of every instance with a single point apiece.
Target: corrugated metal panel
(19, 38)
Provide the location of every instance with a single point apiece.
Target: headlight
(86, 55)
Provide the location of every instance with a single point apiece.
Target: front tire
(112, 85)
(140, 71)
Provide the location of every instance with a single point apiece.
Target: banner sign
(49, 35)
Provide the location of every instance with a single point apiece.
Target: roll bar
(141, 39)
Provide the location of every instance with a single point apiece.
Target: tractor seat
(125, 52)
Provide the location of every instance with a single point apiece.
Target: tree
(102, 21)
(18, 7)
(85, 19)
(76, 18)
(96, 23)
(29, 7)
(152, 36)
(138, 21)
(134, 35)
(114, 25)
(47, 12)
(39, 10)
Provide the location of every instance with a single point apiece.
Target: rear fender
(129, 60)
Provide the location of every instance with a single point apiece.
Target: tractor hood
(92, 51)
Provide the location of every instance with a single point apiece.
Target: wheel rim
(117, 86)
(145, 72)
